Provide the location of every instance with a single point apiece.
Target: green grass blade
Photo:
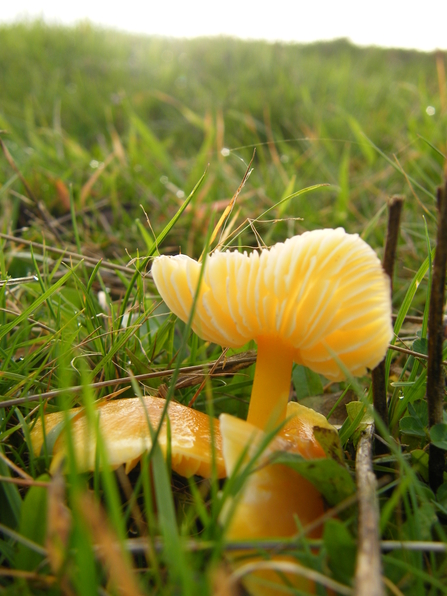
(5, 329)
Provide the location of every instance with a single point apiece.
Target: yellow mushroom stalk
(304, 300)
(124, 428)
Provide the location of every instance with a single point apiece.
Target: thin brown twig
(23, 482)
(368, 572)
(210, 373)
(435, 374)
(412, 353)
(221, 224)
(139, 544)
(394, 214)
(229, 366)
(69, 254)
(30, 575)
(12, 466)
(410, 319)
(32, 321)
(379, 373)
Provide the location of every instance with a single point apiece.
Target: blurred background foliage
(157, 112)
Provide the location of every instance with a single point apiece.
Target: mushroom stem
(271, 385)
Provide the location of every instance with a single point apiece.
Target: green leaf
(420, 346)
(438, 435)
(331, 479)
(306, 382)
(416, 423)
(412, 426)
(419, 410)
(355, 408)
(359, 416)
(341, 550)
(33, 525)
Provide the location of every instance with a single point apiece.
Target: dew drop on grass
(431, 111)
(225, 152)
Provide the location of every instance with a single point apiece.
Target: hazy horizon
(387, 24)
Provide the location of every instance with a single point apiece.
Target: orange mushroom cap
(123, 425)
(304, 300)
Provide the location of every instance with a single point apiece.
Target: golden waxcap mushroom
(304, 300)
(123, 425)
(273, 496)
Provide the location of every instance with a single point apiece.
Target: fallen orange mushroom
(124, 427)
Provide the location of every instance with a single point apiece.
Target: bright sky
(389, 23)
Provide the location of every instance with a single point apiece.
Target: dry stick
(229, 366)
(378, 374)
(435, 376)
(368, 572)
(89, 261)
(411, 353)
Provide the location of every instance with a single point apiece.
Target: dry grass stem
(378, 374)
(435, 373)
(368, 573)
(230, 366)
